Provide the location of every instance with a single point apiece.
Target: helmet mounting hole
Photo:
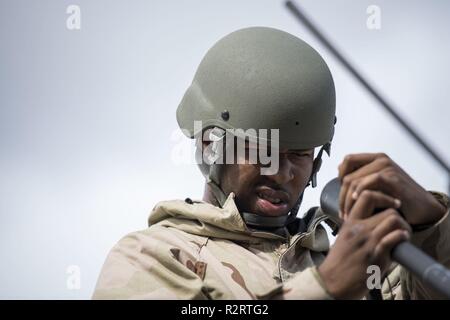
(225, 115)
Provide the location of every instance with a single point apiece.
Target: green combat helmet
(262, 78)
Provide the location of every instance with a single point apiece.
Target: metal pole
(307, 22)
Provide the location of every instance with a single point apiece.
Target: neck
(208, 196)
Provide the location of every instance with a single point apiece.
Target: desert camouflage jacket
(194, 250)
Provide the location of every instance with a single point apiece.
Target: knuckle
(356, 230)
(391, 212)
(384, 161)
(362, 240)
(380, 176)
(346, 226)
(395, 220)
(346, 181)
(382, 155)
(348, 158)
(388, 213)
(398, 236)
(394, 177)
(389, 175)
(367, 228)
(354, 184)
(383, 176)
(389, 171)
(366, 194)
(348, 234)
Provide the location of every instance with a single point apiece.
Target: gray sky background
(87, 116)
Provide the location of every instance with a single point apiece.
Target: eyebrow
(300, 150)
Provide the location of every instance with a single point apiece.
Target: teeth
(272, 200)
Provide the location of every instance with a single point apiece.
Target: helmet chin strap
(256, 221)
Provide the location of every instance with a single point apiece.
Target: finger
(379, 162)
(385, 181)
(352, 162)
(391, 222)
(368, 201)
(380, 181)
(388, 242)
(348, 200)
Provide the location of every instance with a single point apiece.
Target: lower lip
(270, 209)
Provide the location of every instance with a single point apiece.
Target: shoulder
(159, 240)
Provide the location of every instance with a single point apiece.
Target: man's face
(269, 195)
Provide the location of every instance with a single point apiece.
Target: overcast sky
(87, 117)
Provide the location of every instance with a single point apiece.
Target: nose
(285, 172)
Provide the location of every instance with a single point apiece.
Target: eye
(301, 154)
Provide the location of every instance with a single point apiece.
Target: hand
(365, 239)
(376, 171)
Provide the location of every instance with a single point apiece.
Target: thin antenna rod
(295, 10)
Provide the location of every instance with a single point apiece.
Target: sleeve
(145, 265)
(433, 240)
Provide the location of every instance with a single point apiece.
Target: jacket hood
(204, 219)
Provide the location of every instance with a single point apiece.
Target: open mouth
(271, 202)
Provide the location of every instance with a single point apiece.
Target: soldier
(244, 241)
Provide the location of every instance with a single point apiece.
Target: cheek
(240, 178)
(302, 176)
(248, 176)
